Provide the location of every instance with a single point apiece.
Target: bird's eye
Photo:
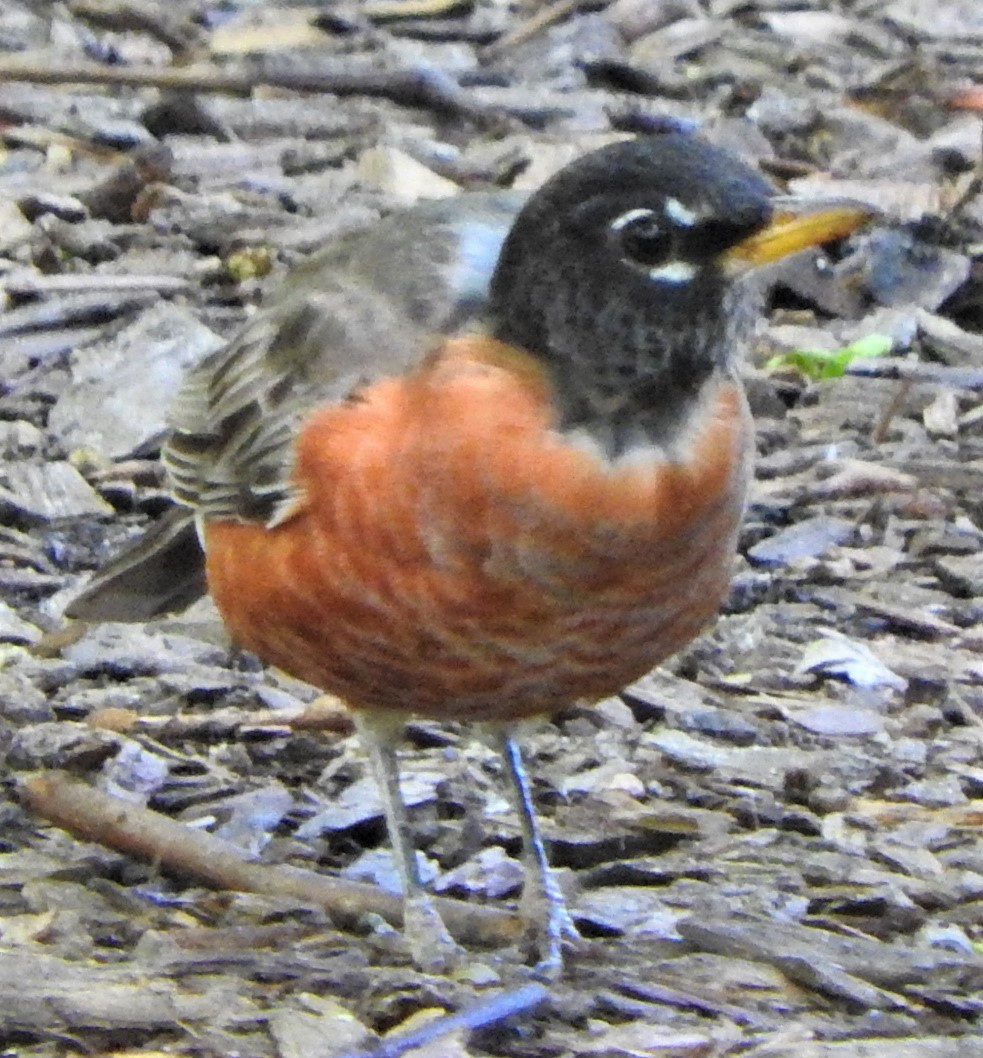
(644, 237)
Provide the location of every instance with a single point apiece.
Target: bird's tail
(161, 572)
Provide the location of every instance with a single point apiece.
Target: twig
(92, 815)
(167, 22)
(391, 10)
(34, 284)
(957, 377)
(533, 26)
(702, 999)
(420, 86)
(41, 137)
(476, 1016)
(70, 310)
(322, 715)
(891, 409)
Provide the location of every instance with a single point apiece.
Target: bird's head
(626, 273)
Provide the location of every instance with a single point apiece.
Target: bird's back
(372, 302)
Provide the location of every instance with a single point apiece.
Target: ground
(772, 844)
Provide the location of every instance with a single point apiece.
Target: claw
(432, 948)
(549, 926)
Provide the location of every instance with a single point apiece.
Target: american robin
(481, 461)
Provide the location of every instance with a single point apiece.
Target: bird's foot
(549, 929)
(433, 949)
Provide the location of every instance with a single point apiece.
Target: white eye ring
(672, 271)
(673, 210)
(676, 272)
(627, 218)
(680, 214)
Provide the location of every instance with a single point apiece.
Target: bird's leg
(432, 947)
(542, 904)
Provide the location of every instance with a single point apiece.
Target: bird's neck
(626, 370)
(628, 395)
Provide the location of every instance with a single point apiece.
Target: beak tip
(797, 225)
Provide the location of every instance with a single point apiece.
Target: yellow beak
(796, 225)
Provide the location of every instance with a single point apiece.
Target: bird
(481, 460)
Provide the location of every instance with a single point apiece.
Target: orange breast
(456, 557)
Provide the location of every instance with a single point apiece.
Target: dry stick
(533, 26)
(31, 284)
(227, 723)
(879, 434)
(393, 10)
(41, 137)
(92, 815)
(479, 1015)
(423, 87)
(918, 371)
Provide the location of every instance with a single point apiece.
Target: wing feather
(370, 304)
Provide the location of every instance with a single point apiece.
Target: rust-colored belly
(456, 558)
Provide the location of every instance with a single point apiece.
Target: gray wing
(370, 304)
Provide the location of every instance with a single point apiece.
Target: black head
(615, 273)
